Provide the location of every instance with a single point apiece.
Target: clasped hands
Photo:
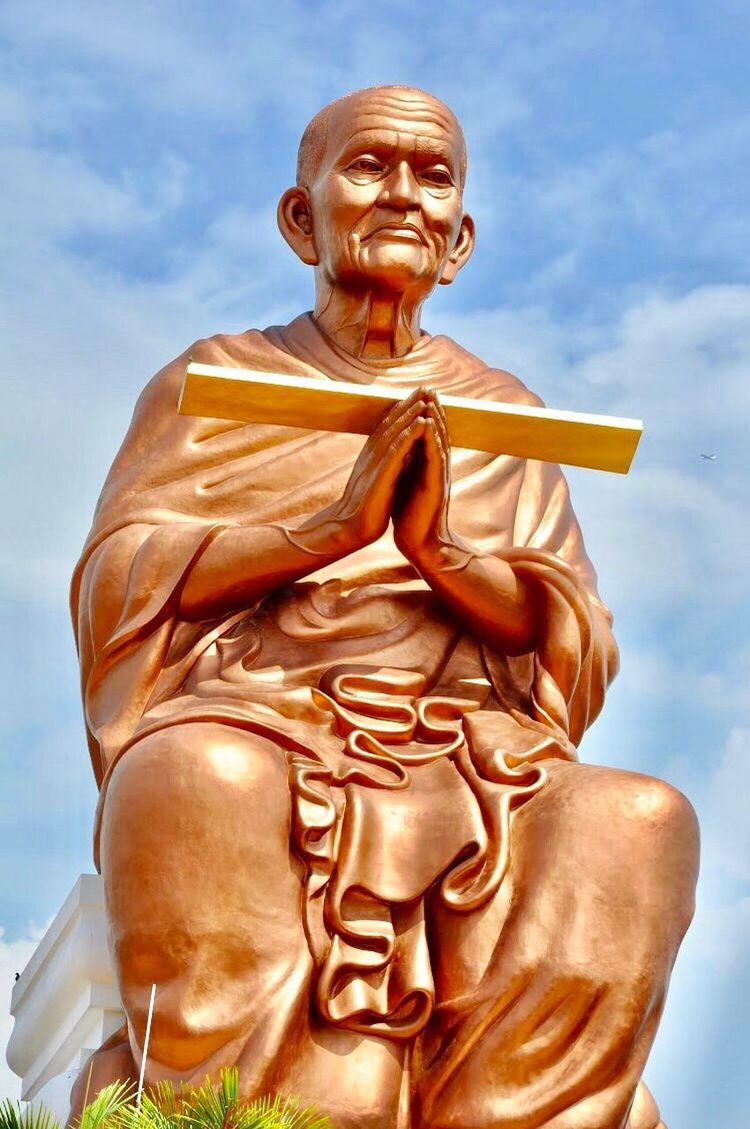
(402, 474)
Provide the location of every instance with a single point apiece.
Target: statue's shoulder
(485, 381)
(230, 350)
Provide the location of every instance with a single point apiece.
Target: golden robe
(383, 706)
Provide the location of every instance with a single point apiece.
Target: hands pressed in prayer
(362, 513)
(245, 563)
(402, 474)
(420, 512)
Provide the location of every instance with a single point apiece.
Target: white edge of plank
(206, 392)
(621, 423)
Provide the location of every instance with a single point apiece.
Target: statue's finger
(401, 407)
(390, 435)
(441, 434)
(441, 422)
(393, 463)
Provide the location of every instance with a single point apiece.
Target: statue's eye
(366, 165)
(440, 177)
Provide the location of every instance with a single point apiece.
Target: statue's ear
(461, 252)
(294, 217)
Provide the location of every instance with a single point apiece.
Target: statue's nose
(400, 189)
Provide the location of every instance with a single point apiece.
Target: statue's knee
(609, 801)
(195, 855)
(190, 811)
(658, 816)
(653, 801)
(623, 830)
(648, 837)
(206, 755)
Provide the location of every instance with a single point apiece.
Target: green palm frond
(108, 1106)
(221, 1107)
(214, 1107)
(286, 1113)
(159, 1109)
(164, 1095)
(162, 1107)
(13, 1116)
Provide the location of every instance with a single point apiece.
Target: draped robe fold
(378, 698)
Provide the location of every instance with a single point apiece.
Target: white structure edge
(66, 1001)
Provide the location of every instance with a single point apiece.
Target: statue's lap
(205, 894)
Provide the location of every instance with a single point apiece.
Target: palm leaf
(158, 1110)
(108, 1105)
(203, 1108)
(284, 1113)
(13, 1116)
(208, 1106)
(221, 1107)
(292, 1115)
(295, 1116)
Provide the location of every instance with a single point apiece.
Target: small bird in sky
(708, 458)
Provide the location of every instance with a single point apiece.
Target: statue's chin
(396, 266)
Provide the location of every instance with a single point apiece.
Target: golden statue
(334, 687)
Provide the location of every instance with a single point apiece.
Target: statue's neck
(367, 324)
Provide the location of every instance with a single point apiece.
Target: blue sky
(143, 148)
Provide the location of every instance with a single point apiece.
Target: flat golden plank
(572, 438)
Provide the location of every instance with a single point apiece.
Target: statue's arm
(536, 598)
(245, 563)
(483, 592)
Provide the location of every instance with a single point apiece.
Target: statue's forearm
(484, 593)
(245, 563)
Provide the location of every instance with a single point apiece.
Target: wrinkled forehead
(363, 116)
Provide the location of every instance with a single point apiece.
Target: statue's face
(387, 201)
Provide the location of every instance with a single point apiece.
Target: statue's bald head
(389, 155)
(408, 100)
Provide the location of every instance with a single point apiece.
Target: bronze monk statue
(334, 687)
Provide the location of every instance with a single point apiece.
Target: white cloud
(654, 185)
(725, 688)
(676, 529)
(697, 1065)
(216, 70)
(722, 934)
(674, 534)
(127, 127)
(686, 353)
(80, 200)
(727, 807)
(719, 784)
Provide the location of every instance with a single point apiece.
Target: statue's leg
(205, 900)
(549, 998)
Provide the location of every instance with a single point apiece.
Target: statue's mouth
(405, 231)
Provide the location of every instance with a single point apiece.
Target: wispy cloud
(727, 808)
(144, 151)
